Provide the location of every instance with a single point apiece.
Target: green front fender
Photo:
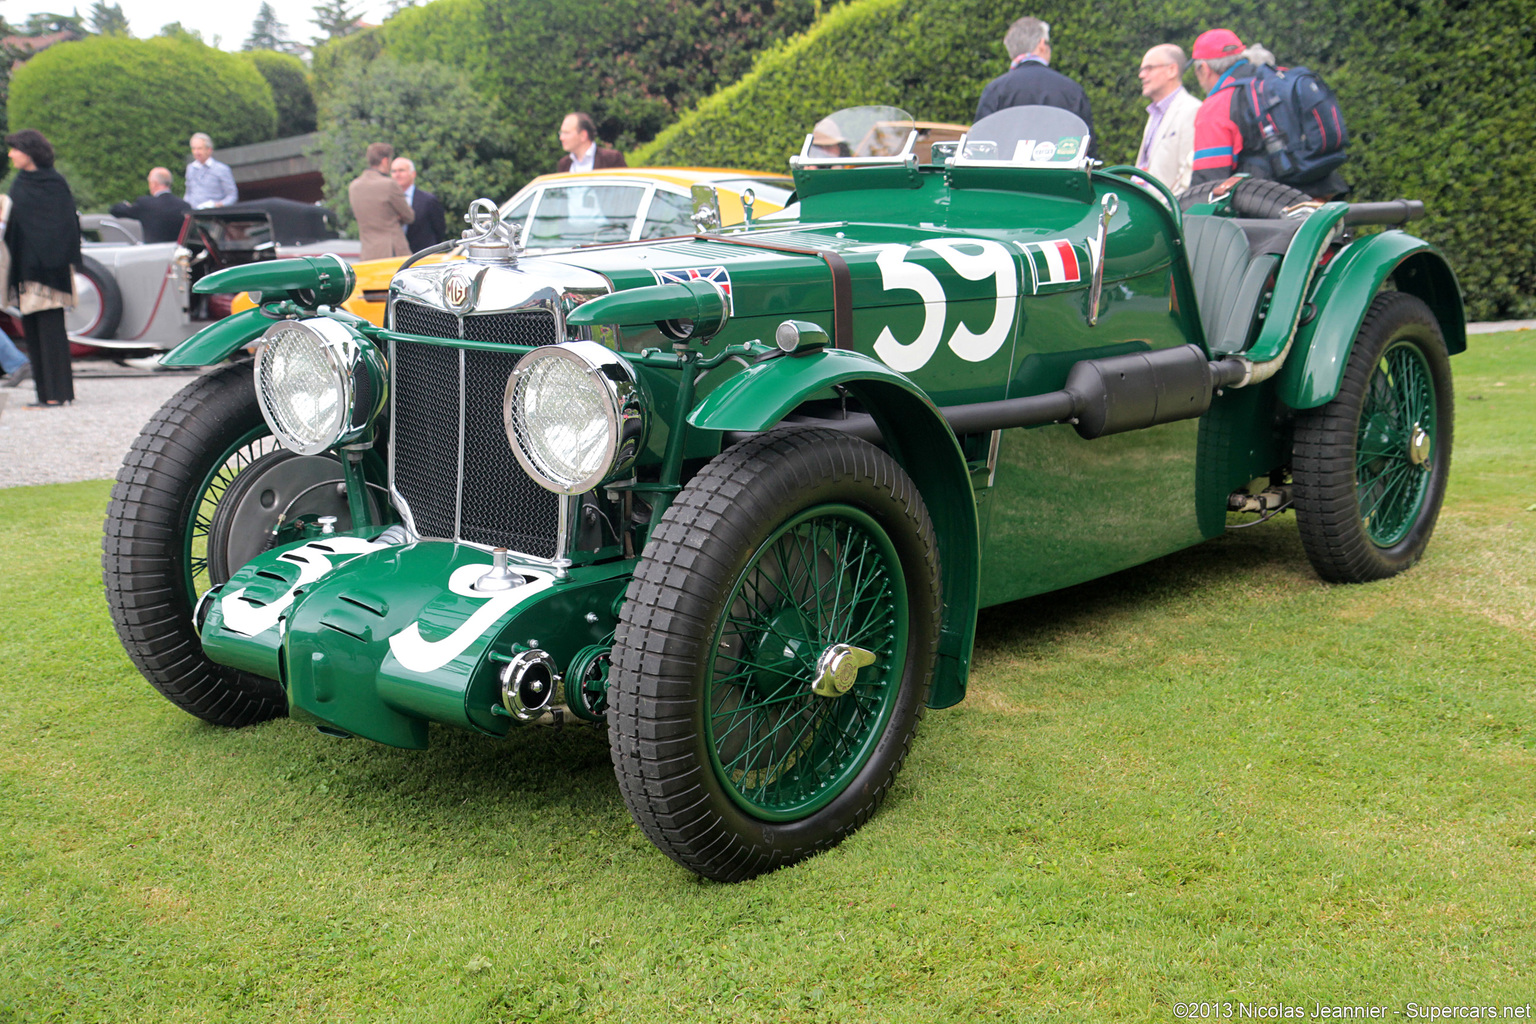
(916, 436)
(1311, 376)
(220, 339)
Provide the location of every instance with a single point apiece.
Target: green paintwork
(220, 339)
(344, 653)
(1312, 374)
(312, 280)
(759, 397)
(1294, 281)
(1241, 438)
(949, 305)
(1134, 174)
(828, 576)
(696, 301)
(1394, 444)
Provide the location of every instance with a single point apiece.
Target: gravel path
(86, 440)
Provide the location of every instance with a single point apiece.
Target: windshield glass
(861, 131)
(570, 215)
(1029, 137)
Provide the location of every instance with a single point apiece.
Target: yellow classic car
(564, 211)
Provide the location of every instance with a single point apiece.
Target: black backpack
(1289, 117)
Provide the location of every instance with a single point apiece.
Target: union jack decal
(717, 276)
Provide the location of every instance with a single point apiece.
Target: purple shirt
(1155, 112)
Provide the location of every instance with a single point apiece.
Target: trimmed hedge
(289, 80)
(1436, 92)
(114, 107)
(633, 64)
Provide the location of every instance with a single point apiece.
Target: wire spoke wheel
(1370, 466)
(1397, 430)
(246, 450)
(774, 652)
(828, 576)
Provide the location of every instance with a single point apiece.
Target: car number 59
(970, 258)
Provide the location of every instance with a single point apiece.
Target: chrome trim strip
(401, 505)
(458, 489)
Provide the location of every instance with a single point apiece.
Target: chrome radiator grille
(449, 457)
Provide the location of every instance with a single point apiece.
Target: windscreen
(861, 131)
(1029, 136)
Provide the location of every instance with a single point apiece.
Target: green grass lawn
(1212, 778)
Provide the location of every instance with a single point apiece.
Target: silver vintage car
(137, 295)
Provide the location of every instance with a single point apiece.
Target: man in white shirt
(578, 137)
(1168, 141)
(209, 182)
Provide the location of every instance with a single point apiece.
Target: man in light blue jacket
(209, 182)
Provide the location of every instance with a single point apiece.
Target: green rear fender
(915, 435)
(1311, 376)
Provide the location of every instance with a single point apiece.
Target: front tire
(1370, 466)
(186, 511)
(735, 747)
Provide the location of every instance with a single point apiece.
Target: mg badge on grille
(459, 290)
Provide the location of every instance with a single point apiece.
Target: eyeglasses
(1154, 67)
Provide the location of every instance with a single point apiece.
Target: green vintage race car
(738, 496)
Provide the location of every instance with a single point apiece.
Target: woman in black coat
(43, 233)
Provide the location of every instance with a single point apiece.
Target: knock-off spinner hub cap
(838, 668)
(1418, 446)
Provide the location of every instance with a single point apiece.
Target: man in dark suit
(161, 212)
(429, 227)
(1030, 80)
(578, 137)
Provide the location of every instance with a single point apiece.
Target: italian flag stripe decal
(1054, 262)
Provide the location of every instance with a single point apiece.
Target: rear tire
(786, 550)
(1370, 466)
(100, 305)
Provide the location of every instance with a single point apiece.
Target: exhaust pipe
(532, 690)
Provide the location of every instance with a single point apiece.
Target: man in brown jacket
(578, 137)
(380, 207)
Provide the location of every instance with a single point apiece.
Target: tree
(336, 18)
(290, 91)
(430, 113)
(108, 20)
(176, 30)
(93, 101)
(45, 22)
(267, 33)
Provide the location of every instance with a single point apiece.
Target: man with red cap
(1222, 66)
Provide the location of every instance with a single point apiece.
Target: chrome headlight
(319, 384)
(574, 416)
